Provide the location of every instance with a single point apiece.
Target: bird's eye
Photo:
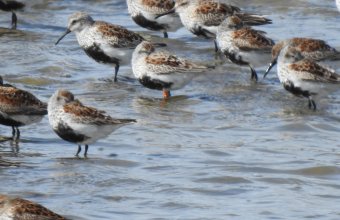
(73, 22)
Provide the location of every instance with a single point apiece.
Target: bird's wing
(91, 115)
(312, 71)
(17, 101)
(25, 209)
(155, 6)
(118, 36)
(249, 39)
(165, 63)
(213, 13)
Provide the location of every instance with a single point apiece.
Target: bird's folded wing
(118, 36)
(311, 71)
(249, 39)
(163, 63)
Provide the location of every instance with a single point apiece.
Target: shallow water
(221, 148)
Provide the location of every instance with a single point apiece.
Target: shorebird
(11, 6)
(19, 107)
(304, 77)
(77, 123)
(202, 17)
(14, 208)
(144, 13)
(162, 70)
(243, 45)
(102, 41)
(313, 49)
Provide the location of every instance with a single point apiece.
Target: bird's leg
(86, 148)
(79, 149)
(18, 133)
(166, 94)
(216, 47)
(116, 72)
(165, 34)
(253, 73)
(13, 132)
(14, 21)
(311, 103)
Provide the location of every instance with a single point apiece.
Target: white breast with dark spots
(55, 114)
(139, 68)
(189, 20)
(224, 40)
(87, 37)
(132, 7)
(283, 72)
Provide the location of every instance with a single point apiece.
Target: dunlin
(11, 6)
(304, 77)
(104, 42)
(19, 107)
(77, 123)
(243, 45)
(14, 208)
(144, 13)
(313, 49)
(202, 17)
(162, 70)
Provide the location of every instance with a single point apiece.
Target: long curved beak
(66, 33)
(271, 65)
(166, 13)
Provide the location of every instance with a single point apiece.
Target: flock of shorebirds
(227, 26)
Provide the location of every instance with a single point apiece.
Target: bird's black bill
(166, 13)
(271, 65)
(66, 33)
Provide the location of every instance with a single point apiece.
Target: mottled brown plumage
(84, 113)
(91, 115)
(158, 5)
(309, 70)
(118, 36)
(21, 209)
(170, 60)
(310, 48)
(250, 39)
(213, 13)
(17, 101)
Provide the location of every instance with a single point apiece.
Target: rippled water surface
(221, 148)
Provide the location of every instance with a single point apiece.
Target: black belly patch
(98, 55)
(154, 83)
(11, 5)
(237, 60)
(201, 32)
(9, 122)
(68, 134)
(289, 86)
(151, 25)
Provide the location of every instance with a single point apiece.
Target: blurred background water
(221, 148)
